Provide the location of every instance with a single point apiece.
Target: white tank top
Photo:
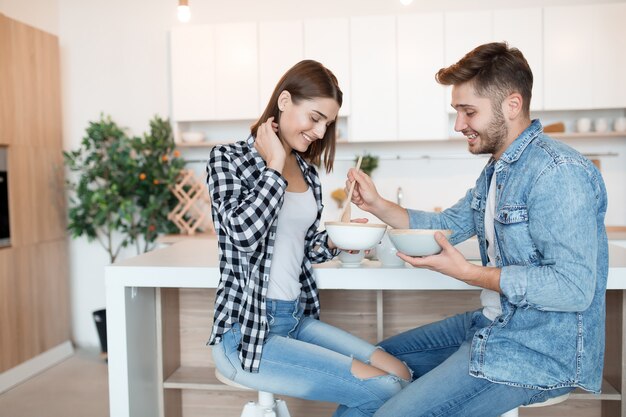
(491, 299)
(297, 214)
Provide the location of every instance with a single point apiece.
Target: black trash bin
(100, 318)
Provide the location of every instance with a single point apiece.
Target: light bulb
(184, 13)
(406, 2)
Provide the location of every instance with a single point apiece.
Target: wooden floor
(76, 387)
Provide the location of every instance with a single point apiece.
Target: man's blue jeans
(306, 358)
(438, 355)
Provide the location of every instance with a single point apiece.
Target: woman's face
(303, 123)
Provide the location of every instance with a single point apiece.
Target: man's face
(484, 127)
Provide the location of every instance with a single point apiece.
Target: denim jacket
(552, 247)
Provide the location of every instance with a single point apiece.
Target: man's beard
(494, 137)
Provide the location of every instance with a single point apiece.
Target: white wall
(42, 14)
(115, 60)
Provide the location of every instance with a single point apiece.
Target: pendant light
(184, 14)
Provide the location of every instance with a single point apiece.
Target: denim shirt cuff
(419, 219)
(513, 284)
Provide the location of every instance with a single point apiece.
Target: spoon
(346, 214)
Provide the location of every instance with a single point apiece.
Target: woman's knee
(390, 364)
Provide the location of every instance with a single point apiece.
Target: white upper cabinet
(421, 99)
(568, 53)
(193, 73)
(523, 29)
(609, 56)
(236, 69)
(280, 48)
(464, 32)
(328, 41)
(584, 57)
(374, 111)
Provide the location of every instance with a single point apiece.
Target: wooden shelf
(196, 378)
(343, 141)
(203, 378)
(608, 393)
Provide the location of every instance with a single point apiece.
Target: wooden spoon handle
(345, 214)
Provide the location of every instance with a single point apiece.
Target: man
(538, 211)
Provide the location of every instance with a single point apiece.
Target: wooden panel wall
(34, 290)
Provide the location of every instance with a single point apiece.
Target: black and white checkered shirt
(246, 197)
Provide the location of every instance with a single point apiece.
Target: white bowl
(351, 260)
(192, 137)
(417, 242)
(355, 236)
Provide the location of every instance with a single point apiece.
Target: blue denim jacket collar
(515, 150)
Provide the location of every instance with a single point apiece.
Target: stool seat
(265, 406)
(220, 377)
(546, 403)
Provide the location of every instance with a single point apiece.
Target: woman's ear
(284, 99)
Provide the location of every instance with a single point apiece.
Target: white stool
(266, 406)
(551, 401)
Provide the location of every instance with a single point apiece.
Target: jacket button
(480, 336)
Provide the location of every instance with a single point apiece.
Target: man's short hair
(496, 71)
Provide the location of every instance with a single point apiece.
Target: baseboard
(32, 367)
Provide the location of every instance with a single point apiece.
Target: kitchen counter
(135, 321)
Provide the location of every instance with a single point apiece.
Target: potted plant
(120, 194)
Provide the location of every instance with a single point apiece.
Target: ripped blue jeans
(306, 358)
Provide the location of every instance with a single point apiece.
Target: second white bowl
(417, 242)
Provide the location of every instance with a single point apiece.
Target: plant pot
(100, 318)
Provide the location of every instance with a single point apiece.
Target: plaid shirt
(246, 197)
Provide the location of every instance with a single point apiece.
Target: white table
(132, 321)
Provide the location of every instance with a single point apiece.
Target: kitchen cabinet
(236, 71)
(374, 112)
(523, 29)
(584, 63)
(328, 41)
(280, 47)
(568, 41)
(608, 56)
(193, 72)
(464, 32)
(420, 99)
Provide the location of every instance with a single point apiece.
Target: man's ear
(513, 106)
(284, 99)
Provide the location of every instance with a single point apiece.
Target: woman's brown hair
(496, 70)
(307, 80)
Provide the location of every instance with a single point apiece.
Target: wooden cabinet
(193, 72)
(34, 283)
(523, 29)
(584, 59)
(373, 78)
(328, 41)
(421, 99)
(280, 47)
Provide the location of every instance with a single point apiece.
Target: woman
(266, 206)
